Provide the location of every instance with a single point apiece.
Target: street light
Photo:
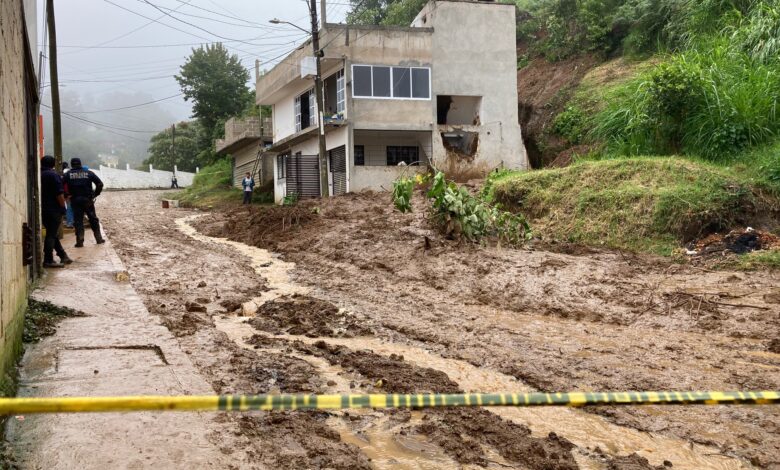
(315, 43)
(278, 21)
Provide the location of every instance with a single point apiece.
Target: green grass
(754, 261)
(642, 204)
(212, 187)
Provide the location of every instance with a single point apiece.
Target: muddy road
(348, 296)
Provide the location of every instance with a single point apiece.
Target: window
(340, 94)
(381, 77)
(402, 82)
(281, 166)
(421, 83)
(312, 108)
(361, 80)
(305, 111)
(383, 82)
(360, 155)
(396, 155)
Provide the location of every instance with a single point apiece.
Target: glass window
(402, 83)
(298, 126)
(312, 108)
(361, 80)
(340, 95)
(398, 154)
(381, 77)
(281, 166)
(421, 83)
(360, 155)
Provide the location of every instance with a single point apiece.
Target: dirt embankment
(543, 89)
(594, 321)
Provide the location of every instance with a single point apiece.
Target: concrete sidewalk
(119, 348)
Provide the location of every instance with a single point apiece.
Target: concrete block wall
(115, 178)
(13, 184)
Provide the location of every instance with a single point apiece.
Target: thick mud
(590, 320)
(363, 299)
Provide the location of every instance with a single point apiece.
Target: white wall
(114, 178)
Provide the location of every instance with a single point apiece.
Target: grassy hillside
(213, 187)
(639, 204)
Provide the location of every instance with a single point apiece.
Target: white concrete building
(440, 93)
(244, 140)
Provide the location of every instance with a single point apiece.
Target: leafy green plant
(402, 194)
(290, 199)
(570, 124)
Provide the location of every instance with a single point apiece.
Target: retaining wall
(115, 178)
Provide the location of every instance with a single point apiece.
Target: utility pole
(315, 43)
(173, 144)
(322, 13)
(56, 118)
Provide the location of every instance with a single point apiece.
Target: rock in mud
(307, 316)
(634, 462)
(194, 307)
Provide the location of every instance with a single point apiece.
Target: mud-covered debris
(307, 316)
(634, 462)
(738, 241)
(194, 307)
(231, 305)
(774, 346)
(42, 317)
(461, 431)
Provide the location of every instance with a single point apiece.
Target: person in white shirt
(249, 185)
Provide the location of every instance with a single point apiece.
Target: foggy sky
(112, 70)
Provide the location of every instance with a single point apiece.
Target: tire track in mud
(590, 432)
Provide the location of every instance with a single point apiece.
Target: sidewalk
(117, 349)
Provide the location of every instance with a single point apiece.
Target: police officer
(52, 209)
(78, 185)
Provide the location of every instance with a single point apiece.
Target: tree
(384, 12)
(215, 81)
(162, 154)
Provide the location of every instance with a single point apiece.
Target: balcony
(240, 132)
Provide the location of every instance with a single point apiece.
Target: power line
(103, 124)
(128, 107)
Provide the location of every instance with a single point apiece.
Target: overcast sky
(98, 42)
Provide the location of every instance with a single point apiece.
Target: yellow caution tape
(334, 402)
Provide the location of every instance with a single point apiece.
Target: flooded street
(355, 298)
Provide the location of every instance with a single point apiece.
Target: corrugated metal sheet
(338, 168)
(303, 175)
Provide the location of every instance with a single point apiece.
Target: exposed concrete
(88, 357)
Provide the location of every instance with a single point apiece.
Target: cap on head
(48, 162)
(75, 162)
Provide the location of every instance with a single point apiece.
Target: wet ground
(353, 297)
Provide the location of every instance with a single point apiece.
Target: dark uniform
(51, 215)
(78, 184)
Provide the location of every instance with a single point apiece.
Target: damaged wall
(462, 68)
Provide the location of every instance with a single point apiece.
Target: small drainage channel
(586, 430)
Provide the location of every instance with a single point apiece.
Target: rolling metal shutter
(338, 168)
(303, 175)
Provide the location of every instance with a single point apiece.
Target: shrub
(570, 124)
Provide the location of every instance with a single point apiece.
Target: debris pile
(739, 242)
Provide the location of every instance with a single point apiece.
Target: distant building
(19, 173)
(245, 139)
(442, 92)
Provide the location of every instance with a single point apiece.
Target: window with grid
(312, 108)
(384, 82)
(340, 94)
(360, 155)
(405, 154)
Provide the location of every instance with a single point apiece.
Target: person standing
(78, 184)
(52, 210)
(174, 182)
(68, 207)
(249, 185)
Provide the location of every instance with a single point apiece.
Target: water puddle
(586, 430)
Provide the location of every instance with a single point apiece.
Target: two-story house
(440, 93)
